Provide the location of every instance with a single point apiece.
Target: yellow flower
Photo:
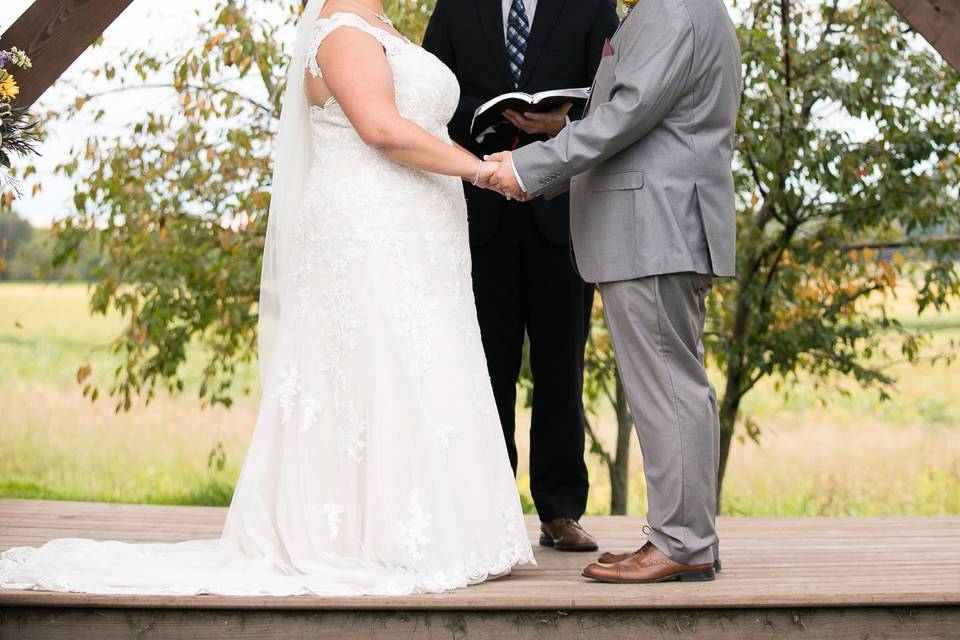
(9, 88)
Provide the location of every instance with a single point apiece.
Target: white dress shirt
(517, 175)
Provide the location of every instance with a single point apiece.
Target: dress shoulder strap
(326, 26)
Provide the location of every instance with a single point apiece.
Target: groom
(652, 220)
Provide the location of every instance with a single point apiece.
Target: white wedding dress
(378, 464)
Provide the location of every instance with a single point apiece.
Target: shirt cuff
(517, 175)
(483, 134)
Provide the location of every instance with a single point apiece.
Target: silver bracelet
(476, 178)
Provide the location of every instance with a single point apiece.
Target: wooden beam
(54, 33)
(936, 20)
(266, 623)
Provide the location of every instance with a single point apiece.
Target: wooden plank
(769, 562)
(938, 21)
(746, 624)
(555, 596)
(54, 33)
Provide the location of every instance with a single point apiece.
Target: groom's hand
(504, 179)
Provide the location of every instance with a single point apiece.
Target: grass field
(821, 453)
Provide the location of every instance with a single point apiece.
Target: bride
(377, 465)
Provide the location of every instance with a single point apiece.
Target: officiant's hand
(504, 179)
(545, 122)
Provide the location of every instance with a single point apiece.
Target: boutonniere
(629, 5)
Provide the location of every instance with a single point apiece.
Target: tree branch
(901, 244)
(756, 174)
(597, 445)
(164, 85)
(785, 39)
(950, 353)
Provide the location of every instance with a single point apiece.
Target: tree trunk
(619, 470)
(729, 411)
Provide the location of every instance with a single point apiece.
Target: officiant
(523, 277)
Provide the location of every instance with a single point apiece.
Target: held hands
(486, 170)
(503, 179)
(545, 122)
(495, 172)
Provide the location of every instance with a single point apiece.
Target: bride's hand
(487, 169)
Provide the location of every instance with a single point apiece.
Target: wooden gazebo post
(54, 33)
(938, 21)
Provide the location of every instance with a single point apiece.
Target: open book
(490, 113)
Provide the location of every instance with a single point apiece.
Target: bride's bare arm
(357, 73)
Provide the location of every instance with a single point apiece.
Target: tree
(32, 261)
(15, 232)
(830, 218)
(846, 177)
(178, 205)
(602, 384)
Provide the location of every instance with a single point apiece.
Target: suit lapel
(491, 20)
(544, 20)
(586, 107)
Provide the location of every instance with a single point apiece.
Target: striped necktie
(518, 30)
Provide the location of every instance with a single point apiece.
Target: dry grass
(853, 455)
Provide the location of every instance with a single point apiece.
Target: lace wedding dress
(378, 464)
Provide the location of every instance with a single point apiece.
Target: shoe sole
(684, 576)
(546, 541)
(717, 565)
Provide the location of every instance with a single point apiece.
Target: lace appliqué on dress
(287, 390)
(413, 528)
(326, 26)
(352, 429)
(334, 515)
(445, 435)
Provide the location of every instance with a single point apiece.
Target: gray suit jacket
(649, 165)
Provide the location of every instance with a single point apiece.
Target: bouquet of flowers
(18, 133)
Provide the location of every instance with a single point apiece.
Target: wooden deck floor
(769, 563)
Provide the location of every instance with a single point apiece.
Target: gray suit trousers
(656, 324)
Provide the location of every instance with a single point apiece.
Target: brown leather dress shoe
(614, 558)
(566, 534)
(647, 566)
